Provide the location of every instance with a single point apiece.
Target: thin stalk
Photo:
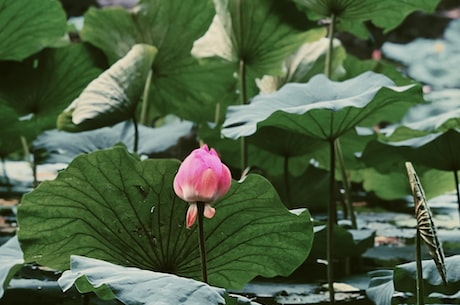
(330, 49)
(287, 188)
(458, 191)
(136, 134)
(418, 261)
(28, 158)
(201, 242)
(145, 99)
(243, 101)
(345, 184)
(5, 174)
(331, 221)
(217, 114)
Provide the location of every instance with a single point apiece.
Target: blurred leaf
(136, 286)
(392, 184)
(39, 88)
(430, 61)
(352, 243)
(405, 275)
(380, 289)
(306, 62)
(386, 14)
(113, 96)
(63, 147)
(111, 206)
(29, 26)
(11, 260)
(323, 109)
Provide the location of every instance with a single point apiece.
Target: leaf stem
(145, 99)
(136, 134)
(287, 187)
(243, 101)
(331, 220)
(330, 49)
(201, 241)
(458, 191)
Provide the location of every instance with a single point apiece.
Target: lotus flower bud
(202, 177)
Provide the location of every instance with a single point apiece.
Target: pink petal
(209, 211)
(192, 212)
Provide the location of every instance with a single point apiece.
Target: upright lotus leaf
(180, 82)
(11, 260)
(39, 88)
(307, 61)
(113, 96)
(323, 109)
(27, 27)
(136, 286)
(351, 15)
(111, 206)
(257, 36)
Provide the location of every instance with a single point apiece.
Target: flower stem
(201, 241)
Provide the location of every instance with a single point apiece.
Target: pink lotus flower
(202, 177)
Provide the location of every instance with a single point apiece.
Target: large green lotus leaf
(258, 35)
(27, 27)
(136, 286)
(394, 185)
(113, 96)
(322, 108)
(387, 14)
(180, 82)
(11, 260)
(405, 276)
(109, 205)
(39, 88)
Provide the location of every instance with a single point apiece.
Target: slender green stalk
(418, 261)
(243, 100)
(201, 242)
(458, 191)
(28, 158)
(136, 135)
(330, 49)
(287, 187)
(331, 221)
(345, 183)
(145, 99)
(332, 210)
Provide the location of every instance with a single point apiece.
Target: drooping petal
(209, 211)
(192, 213)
